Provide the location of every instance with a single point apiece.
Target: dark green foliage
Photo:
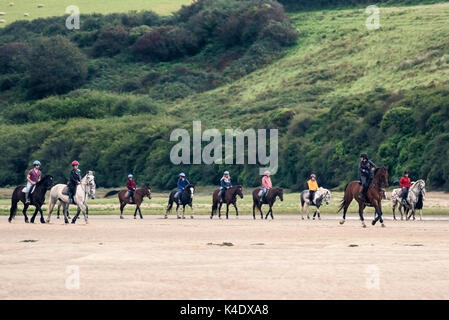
(55, 66)
(110, 41)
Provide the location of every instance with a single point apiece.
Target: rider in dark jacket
(74, 180)
(366, 166)
(181, 184)
(225, 184)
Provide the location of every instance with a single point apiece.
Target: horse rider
(225, 184)
(266, 185)
(366, 166)
(74, 180)
(131, 186)
(182, 183)
(312, 184)
(405, 184)
(33, 177)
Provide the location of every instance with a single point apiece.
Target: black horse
(269, 199)
(37, 199)
(230, 198)
(186, 199)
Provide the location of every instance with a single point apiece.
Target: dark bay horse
(269, 199)
(186, 199)
(139, 195)
(230, 198)
(374, 194)
(37, 199)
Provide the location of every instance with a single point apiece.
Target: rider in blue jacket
(182, 183)
(225, 184)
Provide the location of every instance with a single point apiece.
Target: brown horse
(139, 195)
(374, 194)
(230, 198)
(269, 199)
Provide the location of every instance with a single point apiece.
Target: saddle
(31, 191)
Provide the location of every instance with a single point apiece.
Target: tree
(55, 66)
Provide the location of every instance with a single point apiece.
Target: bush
(55, 66)
(13, 57)
(279, 33)
(166, 43)
(110, 41)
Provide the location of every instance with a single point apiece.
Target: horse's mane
(44, 179)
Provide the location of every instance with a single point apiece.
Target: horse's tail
(13, 210)
(111, 193)
(302, 200)
(170, 203)
(345, 201)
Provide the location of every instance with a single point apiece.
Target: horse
(60, 192)
(186, 199)
(124, 199)
(320, 195)
(269, 199)
(374, 195)
(416, 196)
(91, 195)
(230, 198)
(37, 199)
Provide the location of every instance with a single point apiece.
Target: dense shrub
(13, 57)
(55, 66)
(166, 43)
(110, 41)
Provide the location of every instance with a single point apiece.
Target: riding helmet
(267, 173)
(75, 163)
(313, 175)
(226, 172)
(36, 163)
(364, 155)
(130, 176)
(182, 174)
(406, 172)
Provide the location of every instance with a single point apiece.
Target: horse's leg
(236, 210)
(361, 207)
(59, 208)
(318, 212)
(259, 206)
(400, 210)
(122, 206)
(307, 211)
(24, 211)
(42, 215)
(65, 210)
(191, 210)
(183, 210)
(378, 210)
(394, 210)
(412, 212)
(301, 210)
(219, 210)
(34, 215)
(86, 219)
(254, 210)
(314, 214)
(268, 213)
(140, 213)
(420, 214)
(177, 210)
(227, 210)
(135, 212)
(50, 210)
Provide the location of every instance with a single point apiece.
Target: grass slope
(337, 56)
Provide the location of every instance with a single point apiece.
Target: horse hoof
(73, 222)
(211, 217)
(57, 218)
(9, 220)
(373, 222)
(165, 217)
(383, 225)
(191, 217)
(179, 217)
(342, 221)
(42, 221)
(363, 225)
(121, 217)
(183, 217)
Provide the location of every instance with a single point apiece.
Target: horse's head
(421, 186)
(47, 182)
(147, 191)
(325, 194)
(280, 193)
(190, 189)
(239, 191)
(381, 176)
(90, 184)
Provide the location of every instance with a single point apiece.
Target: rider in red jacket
(405, 184)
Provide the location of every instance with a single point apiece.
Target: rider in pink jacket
(266, 184)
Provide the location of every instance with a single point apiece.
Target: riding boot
(27, 198)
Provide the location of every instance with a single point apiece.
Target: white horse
(416, 196)
(60, 192)
(320, 195)
(91, 195)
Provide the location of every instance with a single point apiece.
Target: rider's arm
(29, 179)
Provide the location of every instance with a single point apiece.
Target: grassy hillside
(340, 90)
(58, 7)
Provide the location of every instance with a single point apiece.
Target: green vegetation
(332, 87)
